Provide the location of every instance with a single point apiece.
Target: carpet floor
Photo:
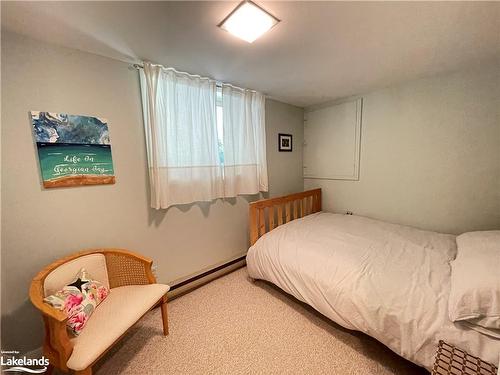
(237, 326)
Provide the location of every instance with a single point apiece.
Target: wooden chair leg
(87, 371)
(50, 370)
(164, 315)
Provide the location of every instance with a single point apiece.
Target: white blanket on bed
(389, 281)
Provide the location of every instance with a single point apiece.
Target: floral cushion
(78, 300)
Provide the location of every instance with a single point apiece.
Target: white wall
(430, 154)
(39, 226)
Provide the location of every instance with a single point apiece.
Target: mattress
(389, 281)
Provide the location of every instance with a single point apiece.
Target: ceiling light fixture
(248, 21)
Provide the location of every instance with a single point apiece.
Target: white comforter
(389, 281)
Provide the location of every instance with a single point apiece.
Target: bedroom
(416, 87)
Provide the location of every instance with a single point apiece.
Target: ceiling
(321, 51)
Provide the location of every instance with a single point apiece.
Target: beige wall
(285, 166)
(430, 155)
(39, 226)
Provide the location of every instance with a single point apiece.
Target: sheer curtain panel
(181, 137)
(245, 166)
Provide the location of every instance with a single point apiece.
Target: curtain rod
(218, 83)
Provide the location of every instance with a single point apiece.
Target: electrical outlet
(345, 211)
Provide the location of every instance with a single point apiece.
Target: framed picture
(284, 142)
(73, 150)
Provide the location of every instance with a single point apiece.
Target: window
(220, 126)
(204, 141)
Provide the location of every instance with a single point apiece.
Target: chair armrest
(56, 344)
(36, 297)
(128, 268)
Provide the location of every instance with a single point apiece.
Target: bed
(389, 281)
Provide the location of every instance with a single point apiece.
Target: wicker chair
(133, 292)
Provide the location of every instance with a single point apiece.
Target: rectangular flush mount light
(248, 21)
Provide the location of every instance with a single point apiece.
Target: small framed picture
(284, 142)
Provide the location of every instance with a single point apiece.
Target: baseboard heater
(182, 286)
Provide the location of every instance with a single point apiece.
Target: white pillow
(475, 280)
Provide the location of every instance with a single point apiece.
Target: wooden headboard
(267, 214)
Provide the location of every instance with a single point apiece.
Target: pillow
(78, 300)
(475, 280)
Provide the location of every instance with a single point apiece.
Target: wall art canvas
(73, 150)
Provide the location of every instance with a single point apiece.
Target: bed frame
(267, 214)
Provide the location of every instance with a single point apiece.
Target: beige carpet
(235, 326)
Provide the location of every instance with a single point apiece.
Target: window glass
(220, 128)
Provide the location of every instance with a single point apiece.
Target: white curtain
(245, 166)
(181, 137)
(183, 145)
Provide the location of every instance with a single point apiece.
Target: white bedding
(389, 281)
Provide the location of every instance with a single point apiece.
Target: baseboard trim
(183, 286)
